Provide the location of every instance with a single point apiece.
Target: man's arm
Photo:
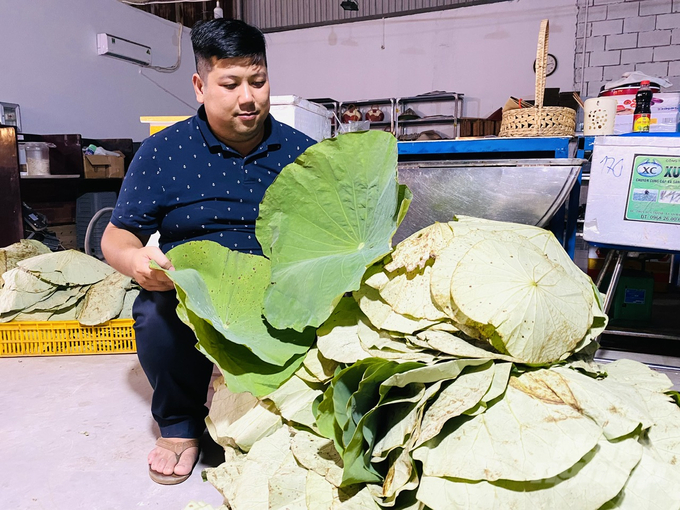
(126, 253)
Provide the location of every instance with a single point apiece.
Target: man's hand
(151, 279)
(126, 253)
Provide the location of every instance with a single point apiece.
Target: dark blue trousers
(178, 372)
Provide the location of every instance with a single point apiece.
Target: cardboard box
(665, 113)
(104, 167)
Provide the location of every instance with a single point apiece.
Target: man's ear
(199, 86)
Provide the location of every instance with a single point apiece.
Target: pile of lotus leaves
(39, 285)
(454, 371)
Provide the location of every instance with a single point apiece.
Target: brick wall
(626, 35)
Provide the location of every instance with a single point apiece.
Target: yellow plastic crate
(55, 338)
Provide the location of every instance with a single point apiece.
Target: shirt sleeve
(139, 204)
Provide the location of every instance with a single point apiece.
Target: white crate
(312, 119)
(634, 192)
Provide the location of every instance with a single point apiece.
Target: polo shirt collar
(271, 141)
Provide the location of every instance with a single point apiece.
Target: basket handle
(541, 62)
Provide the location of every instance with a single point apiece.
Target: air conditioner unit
(124, 49)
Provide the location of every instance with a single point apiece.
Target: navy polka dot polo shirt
(186, 184)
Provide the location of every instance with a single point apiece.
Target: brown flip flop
(178, 448)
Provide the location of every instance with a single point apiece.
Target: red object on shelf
(351, 113)
(375, 114)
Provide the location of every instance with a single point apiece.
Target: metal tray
(527, 191)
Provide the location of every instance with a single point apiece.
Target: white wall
(49, 64)
(486, 52)
(50, 67)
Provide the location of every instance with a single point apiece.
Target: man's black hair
(224, 38)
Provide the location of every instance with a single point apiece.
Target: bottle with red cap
(643, 108)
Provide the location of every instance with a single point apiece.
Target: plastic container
(38, 157)
(312, 119)
(54, 338)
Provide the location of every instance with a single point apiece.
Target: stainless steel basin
(527, 191)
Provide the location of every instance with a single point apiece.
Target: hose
(90, 226)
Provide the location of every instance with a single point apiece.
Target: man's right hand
(148, 278)
(127, 254)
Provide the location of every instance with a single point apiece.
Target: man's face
(236, 99)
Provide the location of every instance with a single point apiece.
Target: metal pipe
(611, 289)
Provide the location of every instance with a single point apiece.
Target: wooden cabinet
(54, 195)
(11, 223)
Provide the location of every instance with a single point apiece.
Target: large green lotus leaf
(331, 414)
(536, 310)
(590, 483)
(460, 395)
(346, 414)
(324, 220)
(239, 419)
(225, 289)
(67, 268)
(521, 437)
(653, 484)
(241, 368)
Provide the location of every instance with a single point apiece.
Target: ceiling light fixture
(349, 5)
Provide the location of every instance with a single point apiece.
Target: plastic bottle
(643, 108)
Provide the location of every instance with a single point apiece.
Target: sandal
(178, 448)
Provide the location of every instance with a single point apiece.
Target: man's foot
(172, 460)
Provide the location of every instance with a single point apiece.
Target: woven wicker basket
(539, 120)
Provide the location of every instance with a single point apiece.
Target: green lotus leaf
(327, 217)
(220, 295)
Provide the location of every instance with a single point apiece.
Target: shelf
(435, 119)
(65, 176)
(424, 98)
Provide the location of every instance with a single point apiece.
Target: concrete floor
(76, 431)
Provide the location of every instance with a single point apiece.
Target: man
(201, 179)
